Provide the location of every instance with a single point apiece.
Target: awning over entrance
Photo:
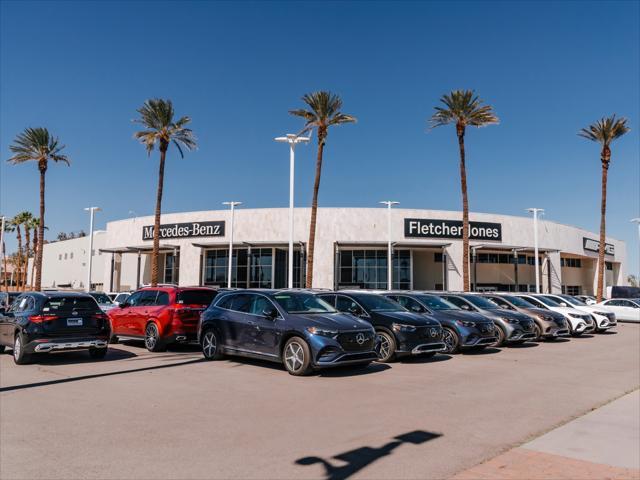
(267, 244)
(511, 248)
(393, 244)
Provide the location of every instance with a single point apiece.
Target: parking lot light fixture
(292, 140)
(92, 211)
(535, 212)
(389, 204)
(233, 205)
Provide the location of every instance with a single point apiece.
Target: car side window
(330, 299)
(457, 302)
(258, 304)
(345, 304)
(535, 302)
(410, 304)
(501, 302)
(225, 302)
(240, 303)
(162, 298)
(134, 299)
(148, 298)
(625, 303)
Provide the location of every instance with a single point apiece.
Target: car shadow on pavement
(351, 371)
(584, 335)
(608, 332)
(557, 340)
(441, 357)
(481, 351)
(95, 375)
(353, 461)
(525, 345)
(70, 358)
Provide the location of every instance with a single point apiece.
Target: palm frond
(463, 107)
(37, 144)
(605, 130)
(324, 110)
(157, 117)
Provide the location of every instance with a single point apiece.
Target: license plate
(74, 322)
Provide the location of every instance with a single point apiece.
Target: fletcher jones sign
(431, 228)
(186, 230)
(594, 246)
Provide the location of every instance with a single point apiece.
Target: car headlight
(510, 320)
(400, 327)
(465, 323)
(604, 314)
(576, 315)
(322, 332)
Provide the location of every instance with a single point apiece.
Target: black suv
(53, 322)
(400, 332)
(293, 327)
(461, 329)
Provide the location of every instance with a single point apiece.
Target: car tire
(538, 331)
(98, 353)
(1, 348)
(19, 355)
(451, 340)
(386, 346)
(210, 344)
(501, 337)
(296, 357)
(152, 338)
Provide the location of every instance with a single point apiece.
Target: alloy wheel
(294, 356)
(209, 344)
(17, 347)
(449, 340)
(151, 337)
(385, 346)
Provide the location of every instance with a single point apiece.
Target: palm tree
(37, 144)
(17, 222)
(34, 224)
(604, 131)
(8, 228)
(324, 112)
(157, 117)
(27, 218)
(463, 108)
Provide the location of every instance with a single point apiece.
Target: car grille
(349, 341)
(432, 333)
(611, 316)
(527, 326)
(486, 328)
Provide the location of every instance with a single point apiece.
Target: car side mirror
(464, 306)
(355, 310)
(416, 309)
(270, 312)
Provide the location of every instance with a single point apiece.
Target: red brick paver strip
(522, 463)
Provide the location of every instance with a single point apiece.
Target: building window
(171, 268)
(260, 267)
(368, 269)
(59, 256)
(65, 256)
(71, 255)
(437, 257)
(571, 262)
(609, 265)
(531, 260)
(572, 289)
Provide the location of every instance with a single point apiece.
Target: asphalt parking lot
(171, 415)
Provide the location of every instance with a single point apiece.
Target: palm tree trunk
(27, 233)
(465, 211)
(314, 212)
(601, 248)
(35, 254)
(156, 225)
(38, 285)
(19, 265)
(6, 274)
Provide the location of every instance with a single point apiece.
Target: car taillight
(42, 318)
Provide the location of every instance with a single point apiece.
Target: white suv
(579, 322)
(605, 318)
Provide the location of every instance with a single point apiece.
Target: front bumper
(423, 340)
(345, 358)
(481, 334)
(48, 345)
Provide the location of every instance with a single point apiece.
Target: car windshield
(101, 297)
(518, 302)
(298, 302)
(573, 301)
(378, 303)
(196, 297)
(481, 302)
(548, 302)
(436, 303)
(66, 305)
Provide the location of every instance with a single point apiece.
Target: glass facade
(251, 268)
(171, 268)
(368, 269)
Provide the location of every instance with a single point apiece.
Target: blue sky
(548, 68)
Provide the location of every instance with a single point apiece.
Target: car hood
(331, 321)
(545, 313)
(592, 309)
(407, 318)
(566, 310)
(461, 315)
(503, 312)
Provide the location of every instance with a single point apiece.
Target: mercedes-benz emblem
(433, 332)
(360, 338)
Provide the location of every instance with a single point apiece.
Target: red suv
(160, 315)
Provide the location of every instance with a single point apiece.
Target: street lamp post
(4, 276)
(389, 204)
(233, 205)
(92, 211)
(535, 212)
(634, 220)
(292, 140)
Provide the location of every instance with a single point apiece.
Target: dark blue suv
(292, 327)
(461, 329)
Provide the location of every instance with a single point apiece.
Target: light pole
(91, 211)
(292, 140)
(535, 212)
(4, 275)
(233, 205)
(634, 220)
(389, 204)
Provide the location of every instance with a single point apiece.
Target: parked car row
(303, 329)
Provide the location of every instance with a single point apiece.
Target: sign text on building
(431, 228)
(594, 246)
(186, 230)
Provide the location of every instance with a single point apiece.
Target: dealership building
(350, 251)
